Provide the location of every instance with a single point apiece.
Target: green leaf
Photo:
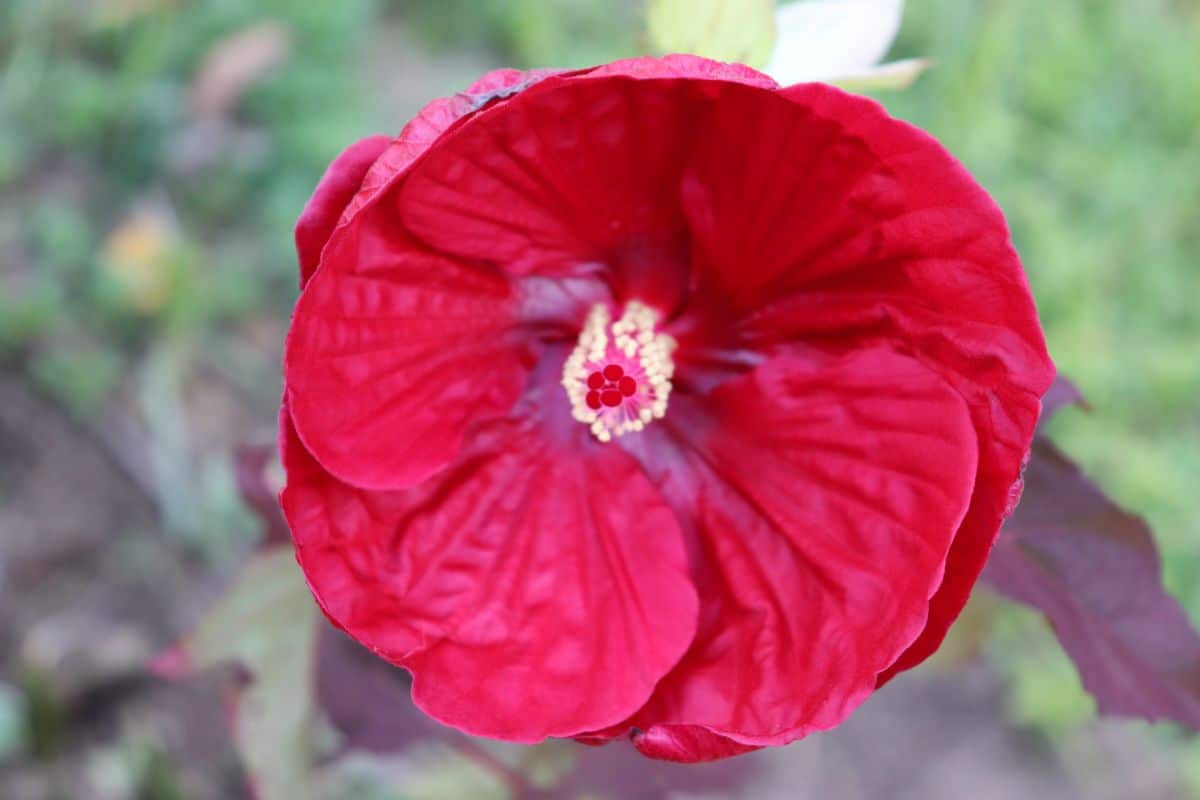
(440, 771)
(893, 75)
(13, 714)
(267, 624)
(726, 30)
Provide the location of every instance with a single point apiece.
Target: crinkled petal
(391, 358)
(577, 175)
(983, 325)
(687, 744)
(434, 120)
(682, 65)
(824, 496)
(387, 365)
(820, 219)
(564, 176)
(338, 185)
(816, 214)
(358, 174)
(1003, 424)
(768, 185)
(534, 588)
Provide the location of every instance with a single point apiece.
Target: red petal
(581, 171)
(687, 744)
(367, 166)
(434, 120)
(941, 262)
(985, 326)
(533, 589)
(820, 218)
(681, 65)
(1004, 424)
(564, 175)
(816, 214)
(399, 343)
(339, 183)
(825, 497)
(388, 364)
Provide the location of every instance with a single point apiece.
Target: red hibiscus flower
(653, 400)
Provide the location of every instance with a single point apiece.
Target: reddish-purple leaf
(1094, 571)
(1063, 392)
(367, 699)
(252, 470)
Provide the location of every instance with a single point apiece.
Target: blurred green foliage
(154, 155)
(13, 714)
(97, 118)
(530, 33)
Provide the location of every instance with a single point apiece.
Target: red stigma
(609, 387)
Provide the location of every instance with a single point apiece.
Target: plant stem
(518, 785)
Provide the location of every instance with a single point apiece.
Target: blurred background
(154, 155)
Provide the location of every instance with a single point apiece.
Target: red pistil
(609, 387)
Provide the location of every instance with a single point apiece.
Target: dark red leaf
(1061, 393)
(367, 699)
(1095, 572)
(252, 466)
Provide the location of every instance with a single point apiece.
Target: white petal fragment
(824, 40)
(893, 75)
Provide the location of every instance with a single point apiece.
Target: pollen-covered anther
(618, 377)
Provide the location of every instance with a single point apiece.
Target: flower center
(618, 377)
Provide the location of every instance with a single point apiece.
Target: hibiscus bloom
(653, 400)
